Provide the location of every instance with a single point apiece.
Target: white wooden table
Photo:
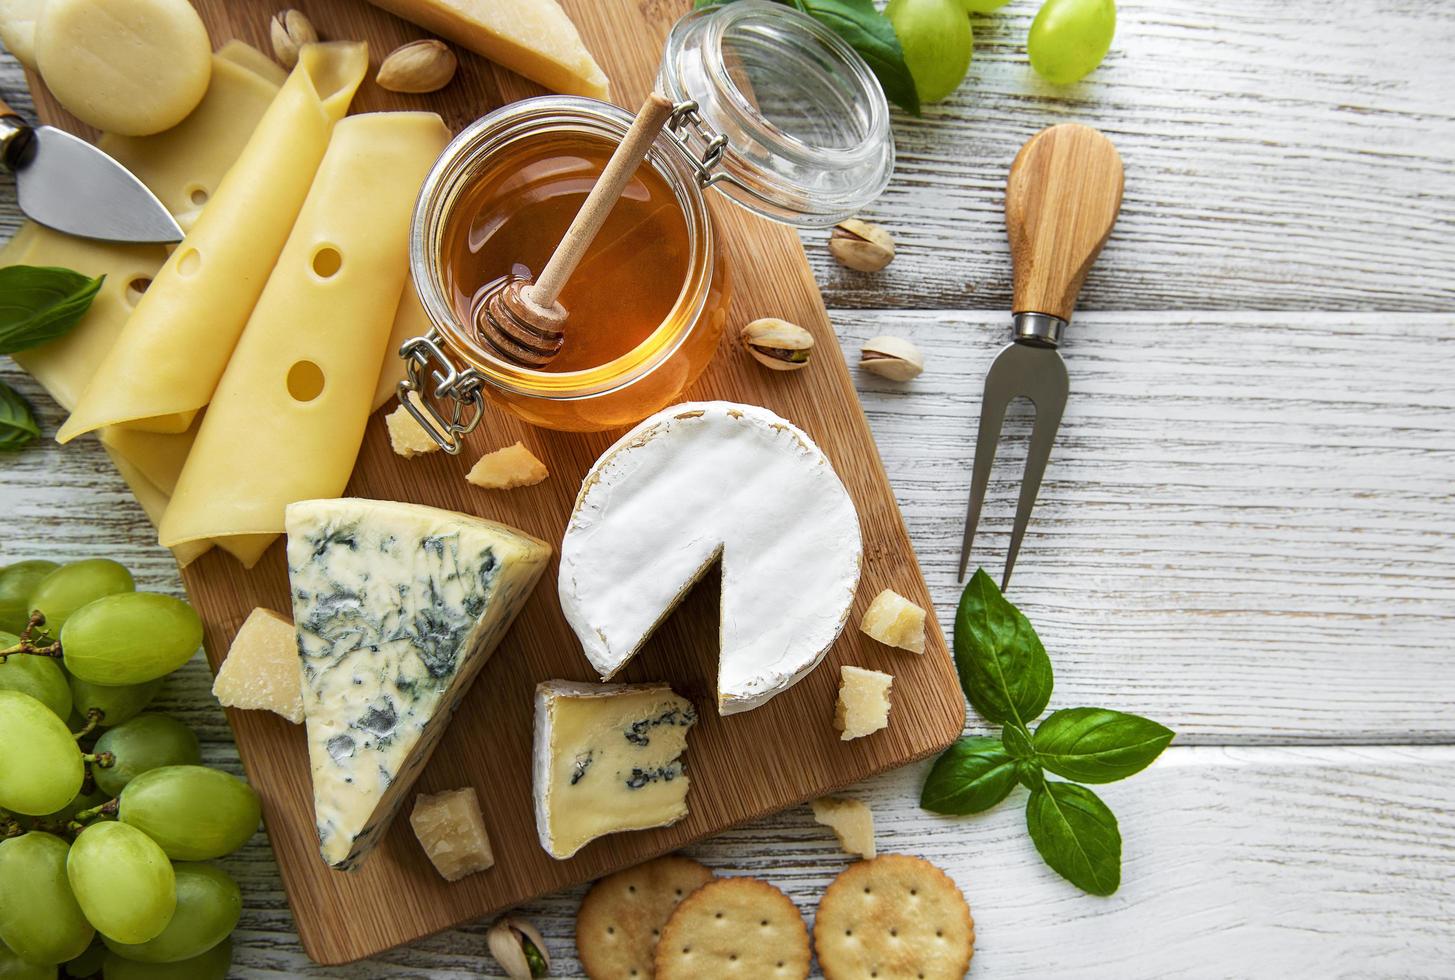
(1247, 530)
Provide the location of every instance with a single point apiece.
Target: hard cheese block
(694, 483)
(608, 758)
(261, 669)
(398, 607)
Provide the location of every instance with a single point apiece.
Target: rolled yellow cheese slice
(124, 66)
(170, 355)
(288, 416)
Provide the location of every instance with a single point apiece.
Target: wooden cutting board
(742, 767)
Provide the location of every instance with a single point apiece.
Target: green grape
(937, 40)
(39, 918)
(88, 964)
(116, 704)
(130, 638)
(40, 765)
(12, 967)
(17, 582)
(193, 812)
(1070, 37)
(208, 906)
(145, 742)
(983, 6)
(123, 881)
(211, 965)
(72, 586)
(40, 677)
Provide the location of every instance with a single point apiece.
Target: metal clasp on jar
(685, 126)
(425, 360)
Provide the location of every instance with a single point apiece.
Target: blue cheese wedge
(608, 758)
(397, 607)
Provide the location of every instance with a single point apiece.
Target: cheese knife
(65, 183)
(1061, 200)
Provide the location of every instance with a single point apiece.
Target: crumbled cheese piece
(852, 823)
(863, 706)
(261, 671)
(508, 468)
(406, 435)
(895, 621)
(452, 830)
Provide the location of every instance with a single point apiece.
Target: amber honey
(512, 217)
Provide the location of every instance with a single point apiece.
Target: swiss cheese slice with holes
(700, 483)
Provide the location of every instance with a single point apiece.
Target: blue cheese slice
(397, 607)
(608, 758)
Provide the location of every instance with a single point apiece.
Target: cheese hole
(189, 262)
(327, 261)
(197, 195)
(135, 288)
(305, 381)
(611, 930)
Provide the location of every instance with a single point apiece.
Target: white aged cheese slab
(397, 606)
(608, 758)
(694, 483)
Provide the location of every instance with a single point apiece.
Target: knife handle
(1061, 200)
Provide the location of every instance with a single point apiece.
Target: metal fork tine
(1048, 419)
(992, 415)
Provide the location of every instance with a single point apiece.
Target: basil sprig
(40, 303)
(1007, 677)
(18, 427)
(868, 32)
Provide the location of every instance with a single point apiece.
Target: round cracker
(623, 914)
(734, 927)
(897, 917)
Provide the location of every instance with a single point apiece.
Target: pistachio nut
(419, 66)
(778, 344)
(290, 30)
(519, 949)
(861, 246)
(892, 357)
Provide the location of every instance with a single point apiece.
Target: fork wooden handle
(1061, 200)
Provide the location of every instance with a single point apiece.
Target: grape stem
(28, 645)
(83, 817)
(93, 720)
(104, 760)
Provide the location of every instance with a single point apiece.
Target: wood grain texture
(396, 896)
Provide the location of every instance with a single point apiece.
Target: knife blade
(65, 183)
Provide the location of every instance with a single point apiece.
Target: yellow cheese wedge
(17, 28)
(288, 416)
(170, 355)
(533, 38)
(262, 671)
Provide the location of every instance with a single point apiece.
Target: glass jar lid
(790, 120)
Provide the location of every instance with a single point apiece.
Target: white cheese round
(694, 483)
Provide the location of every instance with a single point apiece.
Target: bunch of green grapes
(107, 817)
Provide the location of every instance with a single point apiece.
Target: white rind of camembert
(397, 608)
(694, 483)
(607, 759)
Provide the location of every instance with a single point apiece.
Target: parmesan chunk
(406, 435)
(508, 468)
(863, 706)
(262, 671)
(851, 821)
(452, 830)
(895, 621)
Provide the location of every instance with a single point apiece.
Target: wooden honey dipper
(524, 321)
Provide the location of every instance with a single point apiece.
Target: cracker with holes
(623, 914)
(734, 927)
(896, 917)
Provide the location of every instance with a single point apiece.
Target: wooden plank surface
(1358, 883)
(396, 896)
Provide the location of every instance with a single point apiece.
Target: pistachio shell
(861, 246)
(892, 357)
(505, 940)
(290, 31)
(778, 344)
(419, 66)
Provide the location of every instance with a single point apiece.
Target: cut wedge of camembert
(608, 758)
(694, 483)
(397, 607)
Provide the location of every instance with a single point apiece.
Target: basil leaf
(1077, 836)
(1097, 745)
(18, 428)
(868, 32)
(41, 303)
(972, 775)
(1017, 742)
(1003, 666)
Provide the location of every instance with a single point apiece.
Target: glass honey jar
(771, 109)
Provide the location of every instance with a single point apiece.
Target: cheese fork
(1061, 200)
